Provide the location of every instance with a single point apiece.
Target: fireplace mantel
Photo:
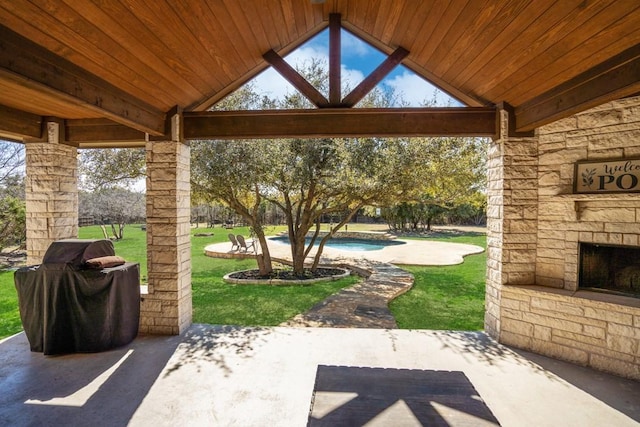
(580, 200)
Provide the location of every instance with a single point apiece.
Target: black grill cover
(66, 308)
(76, 251)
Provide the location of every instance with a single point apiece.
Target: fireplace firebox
(610, 268)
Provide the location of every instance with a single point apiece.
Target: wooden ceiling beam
(18, 124)
(100, 133)
(341, 122)
(293, 77)
(29, 65)
(335, 93)
(375, 77)
(613, 79)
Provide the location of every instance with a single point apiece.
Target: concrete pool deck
(411, 252)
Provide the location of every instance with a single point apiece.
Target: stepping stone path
(364, 305)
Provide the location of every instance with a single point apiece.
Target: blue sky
(359, 59)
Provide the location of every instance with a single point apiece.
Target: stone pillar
(511, 218)
(166, 308)
(51, 188)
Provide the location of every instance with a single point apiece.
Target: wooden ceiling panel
(83, 44)
(483, 25)
(501, 31)
(168, 53)
(567, 51)
(441, 37)
(506, 53)
(199, 20)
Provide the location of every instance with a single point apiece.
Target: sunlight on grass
(450, 297)
(9, 314)
(442, 298)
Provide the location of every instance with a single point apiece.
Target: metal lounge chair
(243, 243)
(234, 242)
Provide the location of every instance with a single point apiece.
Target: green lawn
(442, 297)
(450, 297)
(9, 314)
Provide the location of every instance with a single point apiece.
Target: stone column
(51, 188)
(511, 218)
(166, 308)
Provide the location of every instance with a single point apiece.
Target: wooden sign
(609, 176)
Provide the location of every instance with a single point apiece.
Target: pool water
(356, 245)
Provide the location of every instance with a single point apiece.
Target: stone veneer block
(51, 194)
(533, 236)
(577, 327)
(166, 308)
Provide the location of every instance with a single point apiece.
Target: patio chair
(243, 243)
(234, 242)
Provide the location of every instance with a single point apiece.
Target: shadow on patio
(223, 375)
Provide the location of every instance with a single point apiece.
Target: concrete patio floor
(232, 376)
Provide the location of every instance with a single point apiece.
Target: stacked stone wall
(601, 331)
(51, 193)
(610, 131)
(511, 218)
(166, 307)
(551, 316)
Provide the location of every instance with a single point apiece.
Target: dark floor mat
(353, 396)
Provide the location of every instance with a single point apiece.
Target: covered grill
(80, 299)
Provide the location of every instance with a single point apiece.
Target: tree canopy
(111, 167)
(12, 204)
(308, 179)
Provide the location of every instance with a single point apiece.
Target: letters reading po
(625, 181)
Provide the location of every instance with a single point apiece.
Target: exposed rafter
(335, 94)
(359, 92)
(293, 77)
(25, 64)
(99, 133)
(375, 77)
(17, 124)
(341, 122)
(618, 77)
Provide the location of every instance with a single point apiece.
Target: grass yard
(9, 314)
(442, 298)
(449, 297)
(216, 302)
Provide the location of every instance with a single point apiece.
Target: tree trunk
(316, 259)
(264, 257)
(104, 232)
(297, 254)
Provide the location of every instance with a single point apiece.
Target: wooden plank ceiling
(131, 61)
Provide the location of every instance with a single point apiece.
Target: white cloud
(350, 77)
(415, 90)
(272, 84)
(352, 45)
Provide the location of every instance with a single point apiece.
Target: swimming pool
(348, 244)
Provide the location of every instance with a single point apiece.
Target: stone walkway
(364, 305)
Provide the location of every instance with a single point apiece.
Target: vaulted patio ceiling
(127, 63)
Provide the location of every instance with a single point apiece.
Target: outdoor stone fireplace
(563, 275)
(613, 269)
